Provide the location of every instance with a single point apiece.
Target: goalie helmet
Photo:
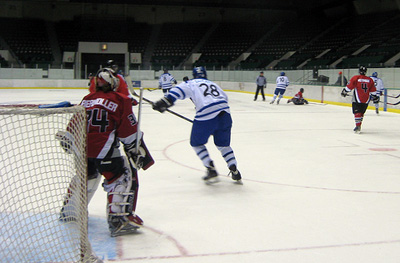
(362, 70)
(105, 77)
(199, 72)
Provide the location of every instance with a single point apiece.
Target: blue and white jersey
(282, 82)
(166, 81)
(206, 95)
(378, 85)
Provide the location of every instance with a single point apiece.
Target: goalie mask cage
(36, 176)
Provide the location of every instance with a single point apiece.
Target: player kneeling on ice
(298, 98)
(212, 118)
(111, 121)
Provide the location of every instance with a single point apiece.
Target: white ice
(313, 190)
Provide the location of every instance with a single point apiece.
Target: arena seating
(313, 42)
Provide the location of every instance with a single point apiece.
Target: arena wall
(313, 93)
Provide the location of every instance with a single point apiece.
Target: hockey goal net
(35, 175)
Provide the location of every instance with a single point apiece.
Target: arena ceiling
(248, 4)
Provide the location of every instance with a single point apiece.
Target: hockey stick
(129, 82)
(138, 121)
(393, 96)
(151, 90)
(397, 103)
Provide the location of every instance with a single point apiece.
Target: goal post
(37, 175)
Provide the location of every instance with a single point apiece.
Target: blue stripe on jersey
(212, 104)
(181, 96)
(209, 113)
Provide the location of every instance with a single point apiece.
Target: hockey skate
(212, 175)
(277, 102)
(272, 102)
(235, 174)
(357, 129)
(377, 110)
(122, 225)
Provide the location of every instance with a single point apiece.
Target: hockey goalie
(110, 121)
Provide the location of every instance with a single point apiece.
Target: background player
(165, 82)
(122, 85)
(281, 83)
(212, 118)
(364, 88)
(111, 121)
(298, 98)
(379, 89)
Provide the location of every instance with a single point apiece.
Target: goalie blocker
(142, 159)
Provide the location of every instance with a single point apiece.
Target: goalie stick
(129, 82)
(138, 123)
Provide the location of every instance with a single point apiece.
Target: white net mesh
(35, 176)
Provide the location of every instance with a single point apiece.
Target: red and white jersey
(362, 86)
(110, 120)
(298, 96)
(122, 88)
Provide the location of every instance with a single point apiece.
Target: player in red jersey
(298, 98)
(364, 89)
(110, 120)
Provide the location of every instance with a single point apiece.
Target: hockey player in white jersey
(379, 88)
(281, 83)
(212, 118)
(165, 82)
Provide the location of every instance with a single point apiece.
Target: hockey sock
(228, 155)
(358, 117)
(274, 97)
(202, 153)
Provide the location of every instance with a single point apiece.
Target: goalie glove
(137, 157)
(162, 105)
(344, 93)
(375, 98)
(65, 139)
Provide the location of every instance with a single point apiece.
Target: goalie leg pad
(122, 198)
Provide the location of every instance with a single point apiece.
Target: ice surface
(313, 190)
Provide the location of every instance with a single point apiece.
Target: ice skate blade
(240, 182)
(123, 232)
(211, 181)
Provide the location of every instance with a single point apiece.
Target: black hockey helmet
(112, 65)
(362, 70)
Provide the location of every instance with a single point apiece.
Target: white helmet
(105, 76)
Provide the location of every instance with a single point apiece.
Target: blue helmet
(199, 72)
(282, 73)
(375, 74)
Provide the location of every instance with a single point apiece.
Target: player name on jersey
(109, 105)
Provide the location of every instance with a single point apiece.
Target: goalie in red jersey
(364, 89)
(110, 120)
